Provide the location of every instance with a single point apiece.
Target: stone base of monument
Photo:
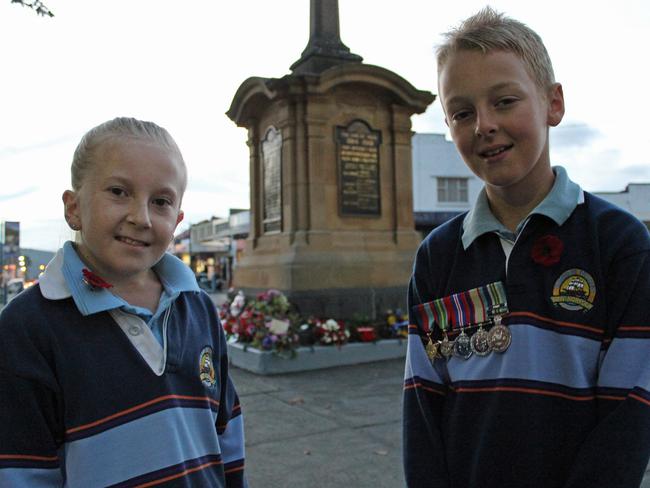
(343, 303)
(316, 357)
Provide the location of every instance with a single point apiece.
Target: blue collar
(63, 278)
(560, 202)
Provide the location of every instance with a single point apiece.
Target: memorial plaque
(358, 155)
(272, 177)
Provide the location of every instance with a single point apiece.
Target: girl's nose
(139, 214)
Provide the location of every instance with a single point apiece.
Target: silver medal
(480, 343)
(462, 347)
(499, 337)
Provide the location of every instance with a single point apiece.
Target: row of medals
(481, 343)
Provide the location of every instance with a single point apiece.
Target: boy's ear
(71, 209)
(555, 105)
(181, 216)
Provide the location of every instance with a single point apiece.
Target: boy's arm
(28, 413)
(616, 452)
(230, 425)
(424, 395)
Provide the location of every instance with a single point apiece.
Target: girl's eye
(117, 191)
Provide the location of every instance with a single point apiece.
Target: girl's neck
(141, 293)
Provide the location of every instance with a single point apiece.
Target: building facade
(443, 186)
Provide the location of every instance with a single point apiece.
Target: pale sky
(180, 62)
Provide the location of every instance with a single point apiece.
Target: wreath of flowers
(270, 322)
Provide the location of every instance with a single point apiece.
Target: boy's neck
(511, 205)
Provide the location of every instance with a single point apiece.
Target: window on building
(452, 190)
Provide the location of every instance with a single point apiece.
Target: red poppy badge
(547, 250)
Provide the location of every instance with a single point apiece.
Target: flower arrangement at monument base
(265, 322)
(269, 322)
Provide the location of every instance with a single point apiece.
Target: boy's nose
(485, 124)
(139, 214)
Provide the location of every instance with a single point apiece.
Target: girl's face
(127, 208)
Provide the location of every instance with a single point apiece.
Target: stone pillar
(331, 182)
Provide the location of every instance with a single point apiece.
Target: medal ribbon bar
(465, 309)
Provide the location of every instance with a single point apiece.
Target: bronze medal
(462, 347)
(499, 337)
(480, 343)
(432, 350)
(446, 347)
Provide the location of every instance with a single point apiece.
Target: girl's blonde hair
(87, 153)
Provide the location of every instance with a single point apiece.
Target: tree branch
(35, 5)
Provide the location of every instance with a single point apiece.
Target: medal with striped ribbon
(468, 310)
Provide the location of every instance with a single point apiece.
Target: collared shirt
(558, 204)
(63, 278)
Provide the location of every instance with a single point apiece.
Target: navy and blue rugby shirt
(568, 404)
(94, 399)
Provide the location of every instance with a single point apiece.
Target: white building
(443, 186)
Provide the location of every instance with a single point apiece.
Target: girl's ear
(71, 209)
(180, 217)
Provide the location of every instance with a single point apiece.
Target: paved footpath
(339, 427)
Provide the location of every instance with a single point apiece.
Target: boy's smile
(499, 119)
(128, 207)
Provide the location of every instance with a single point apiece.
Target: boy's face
(128, 207)
(499, 118)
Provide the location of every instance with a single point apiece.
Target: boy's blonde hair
(88, 150)
(489, 30)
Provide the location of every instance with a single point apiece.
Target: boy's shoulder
(615, 223)
(448, 233)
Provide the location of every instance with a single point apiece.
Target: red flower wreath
(94, 281)
(547, 250)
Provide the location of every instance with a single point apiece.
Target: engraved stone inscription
(272, 176)
(358, 154)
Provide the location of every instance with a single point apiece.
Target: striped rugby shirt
(96, 400)
(568, 404)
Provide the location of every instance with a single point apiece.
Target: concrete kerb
(316, 357)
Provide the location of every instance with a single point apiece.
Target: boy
(527, 363)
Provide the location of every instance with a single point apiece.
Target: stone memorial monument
(330, 178)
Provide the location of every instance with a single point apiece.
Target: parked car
(207, 284)
(14, 287)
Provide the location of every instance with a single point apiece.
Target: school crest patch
(574, 290)
(206, 367)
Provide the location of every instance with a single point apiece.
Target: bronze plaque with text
(358, 155)
(272, 180)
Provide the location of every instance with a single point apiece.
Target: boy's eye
(506, 101)
(460, 115)
(117, 191)
(161, 202)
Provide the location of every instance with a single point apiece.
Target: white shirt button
(134, 330)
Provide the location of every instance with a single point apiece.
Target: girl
(113, 369)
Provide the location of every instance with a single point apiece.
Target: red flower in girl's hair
(547, 250)
(94, 281)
